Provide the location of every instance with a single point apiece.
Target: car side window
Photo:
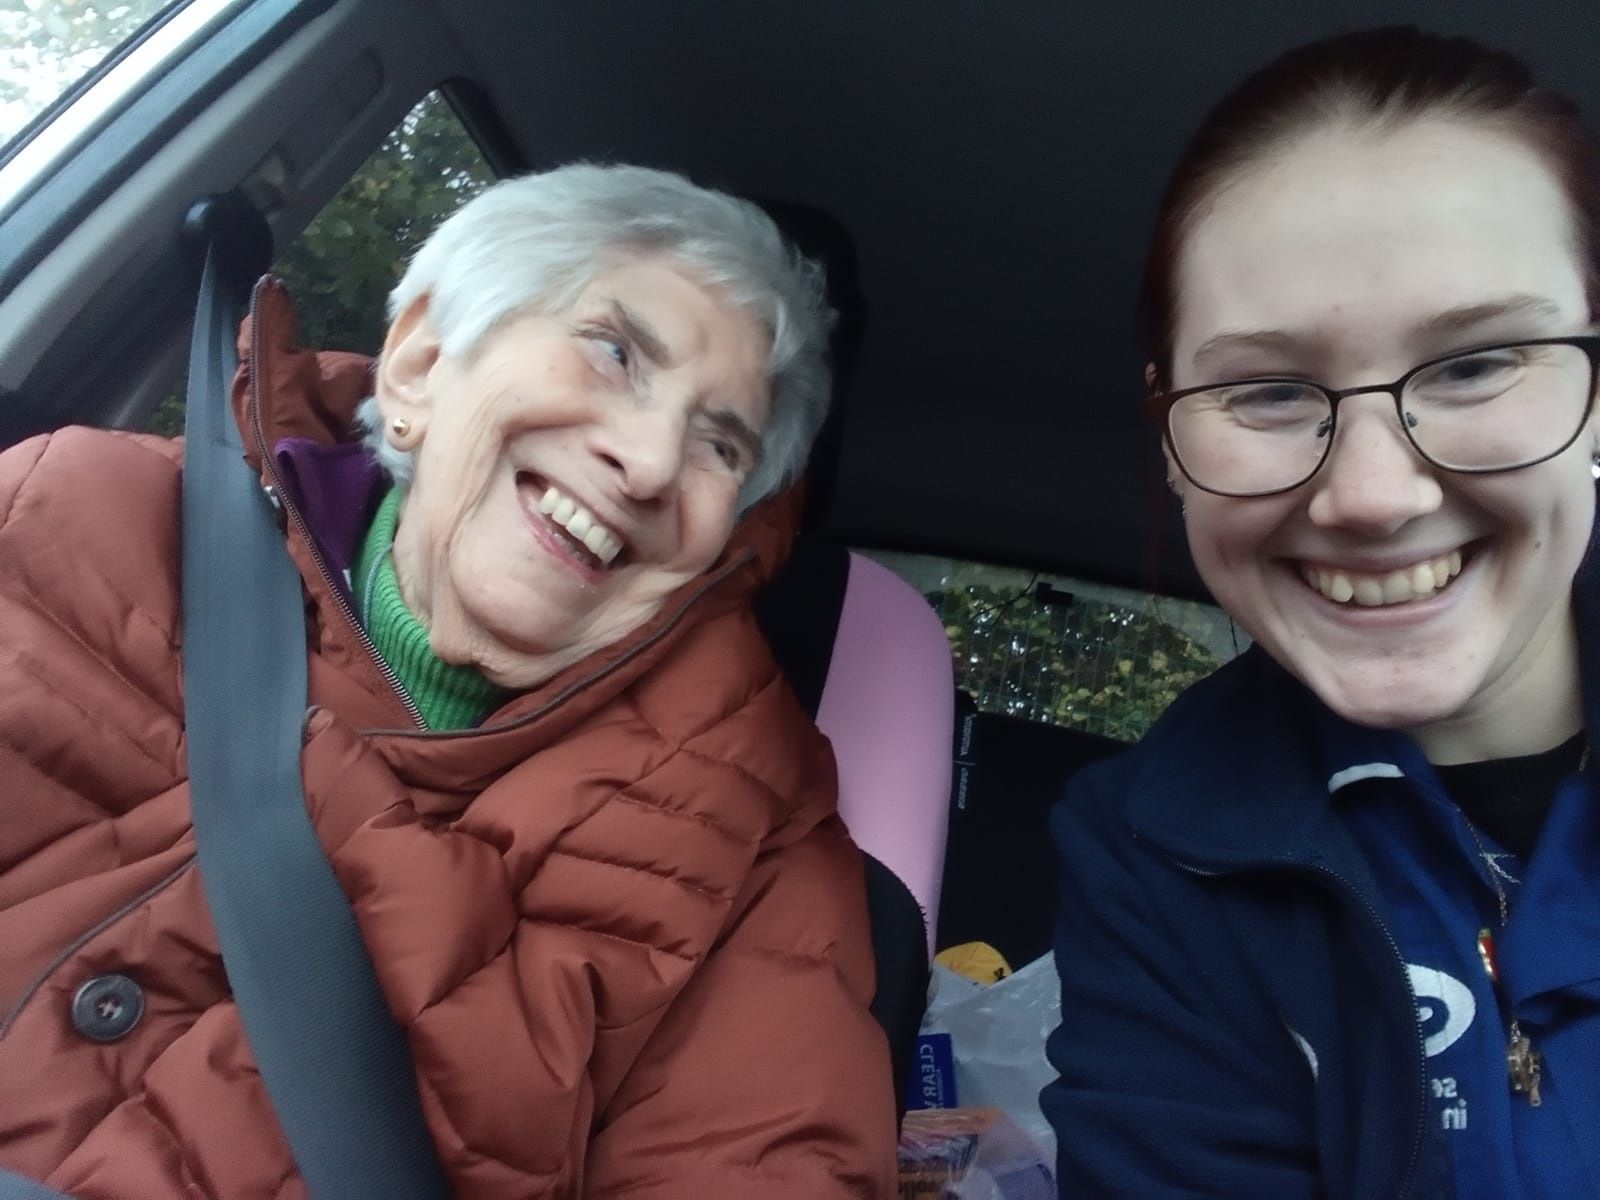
(342, 266)
(49, 51)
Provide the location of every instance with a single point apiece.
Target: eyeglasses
(1495, 408)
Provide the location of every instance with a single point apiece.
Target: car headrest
(824, 239)
(869, 659)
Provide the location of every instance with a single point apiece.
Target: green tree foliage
(342, 267)
(1107, 669)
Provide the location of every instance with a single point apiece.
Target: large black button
(107, 1007)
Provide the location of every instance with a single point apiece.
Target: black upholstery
(999, 868)
(799, 614)
(824, 239)
(899, 948)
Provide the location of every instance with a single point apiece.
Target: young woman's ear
(403, 379)
(1591, 436)
(1175, 480)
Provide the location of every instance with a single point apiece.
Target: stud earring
(401, 426)
(1183, 507)
(1594, 464)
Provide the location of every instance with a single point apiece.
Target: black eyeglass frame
(1159, 405)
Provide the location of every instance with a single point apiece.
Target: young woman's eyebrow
(1234, 340)
(1442, 325)
(1468, 317)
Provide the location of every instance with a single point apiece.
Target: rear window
(1068, 652)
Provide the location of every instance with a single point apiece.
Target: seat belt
(18, 1187)
(336, 1065)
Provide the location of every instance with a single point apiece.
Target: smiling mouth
(1418, 581)
(592, 543)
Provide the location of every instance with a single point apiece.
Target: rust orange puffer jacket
(621, 921)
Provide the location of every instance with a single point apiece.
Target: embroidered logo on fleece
(1445, 1009)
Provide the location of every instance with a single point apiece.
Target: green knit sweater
(448, 696)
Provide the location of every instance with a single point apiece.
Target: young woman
(1333, 928)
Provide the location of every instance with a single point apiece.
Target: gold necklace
(1524, 1063)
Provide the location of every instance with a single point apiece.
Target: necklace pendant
(1526, 1066)
(1486, 955)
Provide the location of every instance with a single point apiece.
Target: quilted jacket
(621, 922)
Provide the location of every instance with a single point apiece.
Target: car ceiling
(997, 165)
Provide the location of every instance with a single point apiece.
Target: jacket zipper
(1409, 1180)
(420, 729)
(280, 494)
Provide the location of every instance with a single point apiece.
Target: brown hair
(1377, 77)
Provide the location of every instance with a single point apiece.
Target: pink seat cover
(888, 706)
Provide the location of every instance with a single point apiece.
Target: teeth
(1369, 592)
(581, 524)
(602, 545)
(1397, 587)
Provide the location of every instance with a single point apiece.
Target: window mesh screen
(1069, 653)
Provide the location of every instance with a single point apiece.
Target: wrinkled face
(1348, 259)
(574, 469)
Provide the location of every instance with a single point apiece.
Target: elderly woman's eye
(722, 453)
(611, 345)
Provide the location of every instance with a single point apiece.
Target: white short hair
(534, 243)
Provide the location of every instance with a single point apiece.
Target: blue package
(933, 1073)
(1030, 1182)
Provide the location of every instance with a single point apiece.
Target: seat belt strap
(16, 1187)
(336, 1065)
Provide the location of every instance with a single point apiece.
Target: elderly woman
(587, 833)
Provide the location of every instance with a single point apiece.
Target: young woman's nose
(1374, 481)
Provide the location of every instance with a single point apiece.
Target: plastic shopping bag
(970, 1154)
(996, 1041)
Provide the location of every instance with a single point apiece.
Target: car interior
(979, 181)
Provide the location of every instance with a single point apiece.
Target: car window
(342, 266)
(1068, 652)
(48, 47)
(53, 50)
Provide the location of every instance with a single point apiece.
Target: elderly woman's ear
(410, 352)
